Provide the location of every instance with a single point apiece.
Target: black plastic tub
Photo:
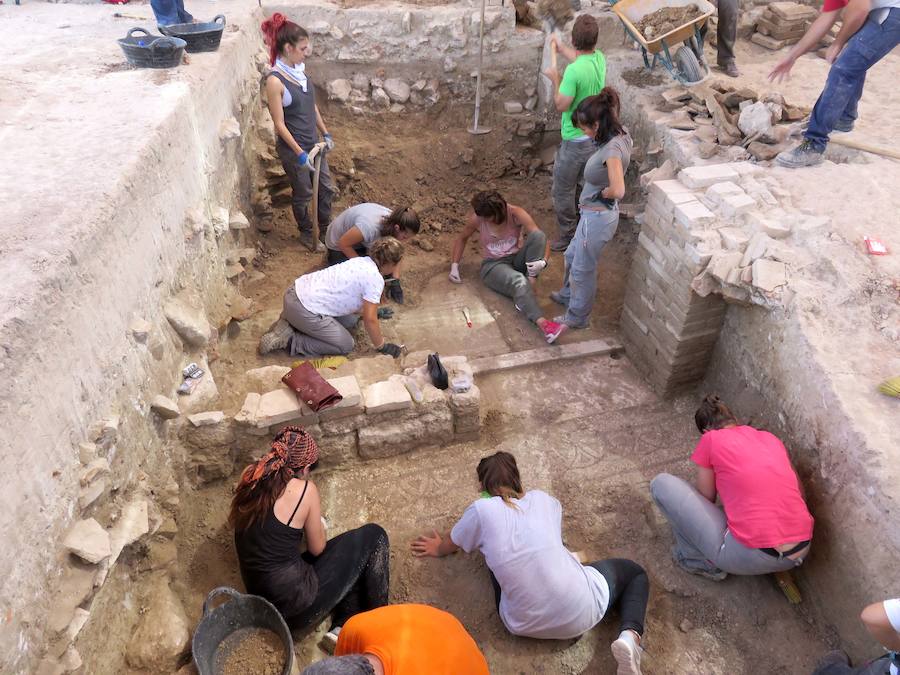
(152, 51)
(200, 37)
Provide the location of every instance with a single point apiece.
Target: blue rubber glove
(303, 161)
(329, 142)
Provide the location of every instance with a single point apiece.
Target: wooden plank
(534, 357)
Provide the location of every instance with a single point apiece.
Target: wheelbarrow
(240, 613)
(688, 65)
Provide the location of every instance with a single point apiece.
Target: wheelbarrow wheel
(687, 65)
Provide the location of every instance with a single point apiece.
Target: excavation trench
(593, 431)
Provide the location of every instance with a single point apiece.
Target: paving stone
(769, 274)
(188, 321)
(695, 177)
(165, 407)
(756, 248)
(693, 214)
(238, 221)
(207, 419)
(385, 397)
(733, 238)
(351, 403)
(88, 540)
(282, 405)
(247, 413)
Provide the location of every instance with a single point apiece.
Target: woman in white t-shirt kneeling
(541, 589)
(320, 308)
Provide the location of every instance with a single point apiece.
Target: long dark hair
(278, 31)
(601, 109)
(404, 217)
(499, 476)
(713, 414)
(491, 205)
(251, 503)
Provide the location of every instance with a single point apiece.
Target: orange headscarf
(292, 447)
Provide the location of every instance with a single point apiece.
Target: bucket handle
(217, 17)
(221, 590)
(142, 30)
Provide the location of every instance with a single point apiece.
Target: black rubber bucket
(152, 51)
(200, 37)
(239, 613)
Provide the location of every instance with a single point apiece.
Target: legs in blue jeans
(168, 12)
(847, 76)
(629, 588)
(582, 257)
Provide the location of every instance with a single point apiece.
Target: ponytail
(713, 414)
(404, 218)
(603, 110)
(278, 31)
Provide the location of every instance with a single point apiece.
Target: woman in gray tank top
(291, 98)
(604, 184)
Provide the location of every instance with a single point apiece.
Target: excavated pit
(591, 432)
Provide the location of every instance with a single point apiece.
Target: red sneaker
(553, 330)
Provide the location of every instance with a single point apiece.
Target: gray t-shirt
(366, 217)
(596, 175)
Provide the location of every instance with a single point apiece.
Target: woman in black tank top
(291, 98)
(273, 505)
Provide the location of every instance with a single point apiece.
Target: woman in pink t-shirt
(515, 252)
(762, 526)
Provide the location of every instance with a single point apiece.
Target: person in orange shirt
(403, 640)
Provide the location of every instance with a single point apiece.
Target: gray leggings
(316, 334)
(880, 666)
(702, 539)
(508, 276)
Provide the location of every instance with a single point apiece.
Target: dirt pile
(666, 20)
(253, 651)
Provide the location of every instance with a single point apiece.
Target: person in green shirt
(584, 76)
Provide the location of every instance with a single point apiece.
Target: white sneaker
(627, 654)
(329, 640)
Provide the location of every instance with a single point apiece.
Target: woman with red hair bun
(291, 99)
(274, 504)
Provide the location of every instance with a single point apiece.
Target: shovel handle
(315, 150)
(553, 55)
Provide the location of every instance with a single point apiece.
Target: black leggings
(353, 572)
(629, 587)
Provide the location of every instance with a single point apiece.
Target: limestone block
(338, 450)
(165, 407)
(88, 495)
(665, 171)
(756, 120)
(75, 586)
(380, 99)
(229, 128)
(266, 378)
(220, 219)
(512, 107)
(733, 238)
(396, 89)
(140, 329)
(88, 540)
(385, 397)
(162, 633)
(696, 177)
(133, 523)
(247, 413)
(345, 425)
(188, 321)
(722, 263)
(215, 436)
(339, 90)
(759, 242)
(693, 214)
(206, 419)
(769, 274)
(776, 229)
(238, 221)
(233, 270)
(79, 618)
(718, 191)
(94, 470)
(396, 437)
(351, 403)
(281, 406)
(734, 205)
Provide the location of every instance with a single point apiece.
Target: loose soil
(666, 20)
(251, 651)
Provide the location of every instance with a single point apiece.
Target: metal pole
(475, 128)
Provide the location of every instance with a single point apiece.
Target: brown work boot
(730, 69)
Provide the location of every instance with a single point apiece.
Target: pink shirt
(503, 241)
(757, 485)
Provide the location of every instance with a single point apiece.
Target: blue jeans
(844, 87)
(595, 229)
(168, 12)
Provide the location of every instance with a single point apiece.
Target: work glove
(385, 313)
(329, 142)
(303, 161)
(454, 273)
(535, 267)
(394, 291)
(390, 349)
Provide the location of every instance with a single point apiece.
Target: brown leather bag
(311, 388)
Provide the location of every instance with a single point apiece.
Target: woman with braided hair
(273, 505)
